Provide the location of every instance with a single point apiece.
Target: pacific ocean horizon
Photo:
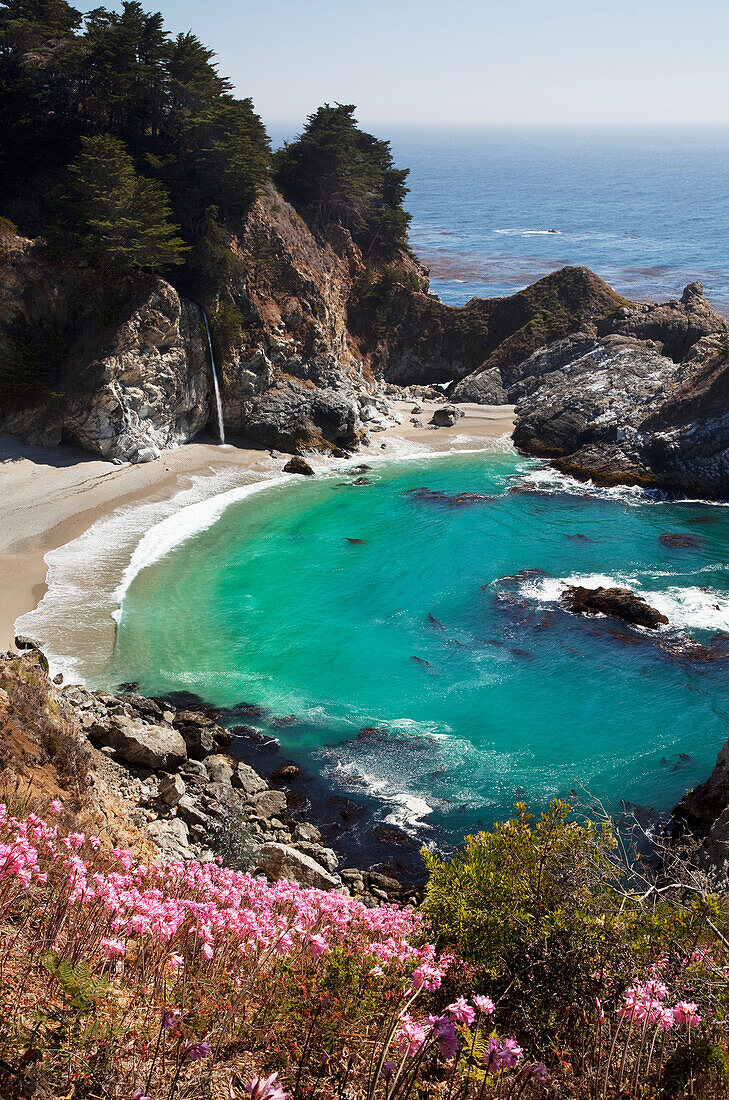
(495, 209)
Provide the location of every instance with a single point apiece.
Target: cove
(408, 631)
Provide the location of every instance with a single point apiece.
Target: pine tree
(122, 219)
(337, 173)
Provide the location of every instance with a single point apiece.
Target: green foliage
(531, 907)
(337, 174)
(119, 76)
(696, 1068)
(81, 990)
(123, 218)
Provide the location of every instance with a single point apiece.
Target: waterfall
(218, 402)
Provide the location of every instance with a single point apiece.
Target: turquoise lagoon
(406, 614)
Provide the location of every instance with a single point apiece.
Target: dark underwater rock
(449, 500)
(679, 541)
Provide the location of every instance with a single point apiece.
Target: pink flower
(484, 1004)
(56, 806)
(207, 949)
(512, 1053)
(411, 1036)
(534, 1071)
(427, 977)
(462, 1011)
(685, 1013)
(266, 1088)
(444, 1036)
(195, 1050)
(113, 949)
(318, 945)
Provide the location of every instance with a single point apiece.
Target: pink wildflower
(462, 1011)
(266, 1088)
(427, 977)
(484, 1004)
(685, 1013)
(411, 1037)
(195, 1050)
(113, 949)
(318, 945)
(56, 806)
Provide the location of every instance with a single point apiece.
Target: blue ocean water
(406, 614)
(493, 210)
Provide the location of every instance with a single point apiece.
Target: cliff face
(305, 332)
(121, 371)
(424, 341)
(645, 402)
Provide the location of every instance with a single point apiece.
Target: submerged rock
(618, 603)
(679, 541)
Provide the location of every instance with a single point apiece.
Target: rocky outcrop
(120, 371)
(618, 603)
(702, 820)
(424, 341)
(618, 409)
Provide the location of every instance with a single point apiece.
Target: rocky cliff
(644, 401)
(121, 371)
(306, 334)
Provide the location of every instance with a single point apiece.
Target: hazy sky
(593, 62)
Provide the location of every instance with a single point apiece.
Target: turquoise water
(510, 697)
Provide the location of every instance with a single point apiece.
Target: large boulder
(171, 837)
(147, 744)
(446, 416)
(279, 861)
(618, 603)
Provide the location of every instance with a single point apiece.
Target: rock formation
(618, 603)
(622, 408)
(124, 371)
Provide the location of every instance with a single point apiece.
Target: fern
(81, 990)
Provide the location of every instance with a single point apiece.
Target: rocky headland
(642, 402)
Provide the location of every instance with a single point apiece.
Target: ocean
(493, 210)
(417, 650)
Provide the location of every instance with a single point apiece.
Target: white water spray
(218, 402)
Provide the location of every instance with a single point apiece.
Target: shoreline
(53, 496)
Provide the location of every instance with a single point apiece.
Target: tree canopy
(337, 173)
(75, 88)
(196, 154)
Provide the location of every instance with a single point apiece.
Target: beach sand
(49, 496)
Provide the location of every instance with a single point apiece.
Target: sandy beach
(50, 496)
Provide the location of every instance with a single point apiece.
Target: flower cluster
(646, 1002)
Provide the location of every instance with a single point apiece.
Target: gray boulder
(279, 861)
(248, 780)
(270, 804)
(446, 416)
(219, 768)
(171, 837)
(147, 744)
(171, 788)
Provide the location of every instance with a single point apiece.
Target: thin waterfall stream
(218, 402)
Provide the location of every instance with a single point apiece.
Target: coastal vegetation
(127, 148)
(533, 969)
